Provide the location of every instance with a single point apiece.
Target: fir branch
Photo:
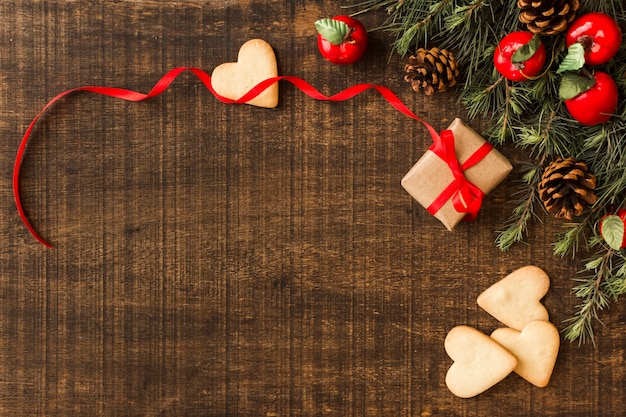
(531, 116)
(611, 7)
(517, 225)
(480, 100)
(449, 23)
(502, 130)
(597, 291)
(569, 241)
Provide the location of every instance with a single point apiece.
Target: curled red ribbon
(465, 196)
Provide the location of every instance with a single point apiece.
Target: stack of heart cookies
(528, 346)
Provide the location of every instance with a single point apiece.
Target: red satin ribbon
(465, 196)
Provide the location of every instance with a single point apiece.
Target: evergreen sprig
(531, 116)
(604, 281)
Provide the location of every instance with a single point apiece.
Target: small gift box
(452, 177)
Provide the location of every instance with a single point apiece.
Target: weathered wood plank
(229, 260)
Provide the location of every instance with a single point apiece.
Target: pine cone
(566, 188)
(431, 69)
(547, 17)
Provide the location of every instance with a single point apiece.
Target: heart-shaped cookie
(256, 62)
(479, 362)
(516, 299)
(536, 348)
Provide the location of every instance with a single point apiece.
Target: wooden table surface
(214, 260)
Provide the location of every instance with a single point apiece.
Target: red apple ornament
(519, 56)
(613, 229)
(341, 40)
(591, 100)
(598, 34)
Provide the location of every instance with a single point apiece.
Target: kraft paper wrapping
(431, 175)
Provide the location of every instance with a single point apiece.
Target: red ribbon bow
(466, 197)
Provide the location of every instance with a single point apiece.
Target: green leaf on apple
(613, 231)
(574, 60)
(525, 52)
(334, 31)
(573, 85)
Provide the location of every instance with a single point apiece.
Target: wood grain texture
(215, 260)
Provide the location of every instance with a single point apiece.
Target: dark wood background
(215, 260)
